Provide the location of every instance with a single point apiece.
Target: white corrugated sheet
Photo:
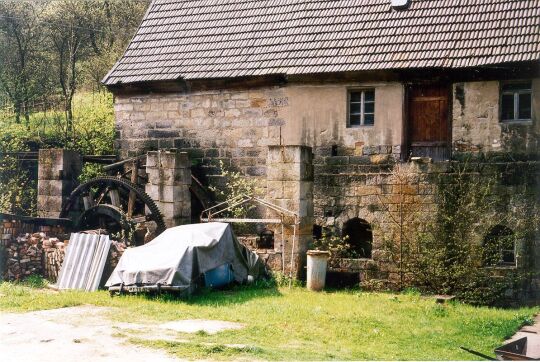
(85, 259)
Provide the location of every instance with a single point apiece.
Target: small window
(516, 102)
(499, 247)
(361, 107)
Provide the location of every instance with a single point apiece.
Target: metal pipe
(121, 163)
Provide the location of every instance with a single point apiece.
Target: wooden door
(429, 125)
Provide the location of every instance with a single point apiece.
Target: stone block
(290, 172)
(366, 190)
(299, 190)
(173, 193)
(232, 113)
(337, 160)
(55, 187)
(378, 159)
(174, 160)
(173, 210)
(256, 171)
(51, 204)
(359, 160)
(169, 176)
(370, 150)
(57, 164)
(289, 154)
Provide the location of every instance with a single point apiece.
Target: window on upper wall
(361, 107)
(516, 102)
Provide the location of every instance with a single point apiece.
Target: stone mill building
(321, 102)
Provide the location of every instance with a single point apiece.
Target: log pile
(37, 254)
(53, 257)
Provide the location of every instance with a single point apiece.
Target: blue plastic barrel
(219, 277)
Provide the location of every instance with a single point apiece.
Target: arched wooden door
(429, 131)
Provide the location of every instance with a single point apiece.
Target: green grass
(298, 324)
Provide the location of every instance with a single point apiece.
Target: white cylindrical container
(316, 269)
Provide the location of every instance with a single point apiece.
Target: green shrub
(35, 281)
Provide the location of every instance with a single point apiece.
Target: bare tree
(22, 74)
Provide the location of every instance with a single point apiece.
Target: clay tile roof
(198, 39)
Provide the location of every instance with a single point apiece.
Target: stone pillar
(169, 178)
(290, 185)
(58, 170)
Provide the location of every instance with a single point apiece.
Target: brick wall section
(169, 178)
(58, 171)
(234, 126)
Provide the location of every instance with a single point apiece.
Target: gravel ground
(69, 334)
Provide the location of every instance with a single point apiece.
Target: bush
(35, 281)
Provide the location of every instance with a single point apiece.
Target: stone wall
(476, 125)
(211, 126)
(348, 187)
(235, 126)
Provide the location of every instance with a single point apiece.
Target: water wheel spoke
(114, 195)
(88, 200)
(102, 195)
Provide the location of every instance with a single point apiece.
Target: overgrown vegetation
(454, 250)
(333, 242)
(233, 185)
(295, 324)
(53, 56)
(93, 133)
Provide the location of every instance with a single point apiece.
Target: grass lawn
(284, 323)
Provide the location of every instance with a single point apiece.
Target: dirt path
(69, 334)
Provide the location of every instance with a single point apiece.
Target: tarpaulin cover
(180, 255)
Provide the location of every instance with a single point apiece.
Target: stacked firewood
(53, 257)
(34, 254)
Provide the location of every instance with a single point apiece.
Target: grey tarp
(181, 254)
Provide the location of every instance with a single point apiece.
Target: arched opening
(360, 237)
(499, 246)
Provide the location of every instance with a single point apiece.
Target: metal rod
(105, 159)
(132, 196)
(282, 249)
(292, 252)
(121, 163)
(240, 220)
(479, 354)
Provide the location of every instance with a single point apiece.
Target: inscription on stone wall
(278, 102)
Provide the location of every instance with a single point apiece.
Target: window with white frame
(516, 102)
(361, 107)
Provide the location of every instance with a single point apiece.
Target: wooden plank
(131, 199)
(115, 197)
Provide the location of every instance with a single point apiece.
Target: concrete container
(316, 269)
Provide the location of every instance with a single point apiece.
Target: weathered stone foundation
(169, 178)
(58, 170)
